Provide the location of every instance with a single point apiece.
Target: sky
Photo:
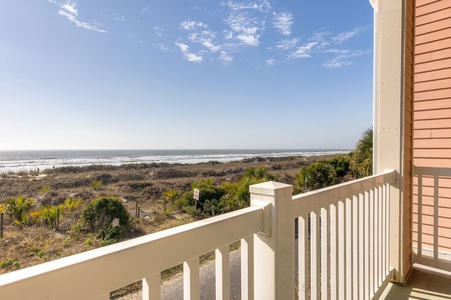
(191, 74)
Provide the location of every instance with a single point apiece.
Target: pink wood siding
(432, 116)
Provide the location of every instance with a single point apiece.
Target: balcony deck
(424, 283)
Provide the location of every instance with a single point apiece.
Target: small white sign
(196, 194)
(116, 222)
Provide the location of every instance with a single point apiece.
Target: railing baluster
(355, 247)
(247, 268)
(378, 238)
(367, 245)
(314, 259)
(341, 250)
(222, 273)
(420, 216)
(303, 257)
(325, 254)
(151, 289)
(348, 249)
(361, 249)
(371, 238)
(191, 283)
(333, 252)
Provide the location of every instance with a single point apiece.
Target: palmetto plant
(51, 214)
(17, 209)
(362, 156)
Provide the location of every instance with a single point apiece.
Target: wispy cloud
(344, 36)
(342, 60)
(68, 9)
(247, 29)
(119, 18)
(159, 30)
(188, 55)
(190, 25)
(287, 44)
(262, 5)
(225, 57)
(270, 62)
(303, 51)
(145, 9)
(282, 22)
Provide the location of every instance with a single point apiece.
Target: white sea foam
(15, 161)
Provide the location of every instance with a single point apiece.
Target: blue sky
(104, 74)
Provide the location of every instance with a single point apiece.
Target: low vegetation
(64, 211)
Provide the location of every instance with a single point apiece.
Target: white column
(389, 116)
(274, 265)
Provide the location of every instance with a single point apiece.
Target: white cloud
(68, 9)
(225, 56)
(282, 22)
(187, 55)
(261, 5)
(287, 44)
(119, 18)
(342, 60)
(191, 25)
(159, 30)
(145, 9)
(344, 36)
(247, 28)
(336, 51)
(209, 45)
(303, 51)
(228, 35)
(270, 62)
(162, 47)
(336, 62)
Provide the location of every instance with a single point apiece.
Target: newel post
(274, 262)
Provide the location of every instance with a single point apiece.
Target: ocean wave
(16, 161)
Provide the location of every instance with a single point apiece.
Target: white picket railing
(342, 241)
(429, 224)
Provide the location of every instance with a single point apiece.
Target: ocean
(17, 161)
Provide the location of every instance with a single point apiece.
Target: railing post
(274, 266)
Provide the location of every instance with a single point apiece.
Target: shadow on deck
(424, 283)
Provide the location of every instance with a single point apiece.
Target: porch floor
(424, 283)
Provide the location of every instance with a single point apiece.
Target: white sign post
(196, 194)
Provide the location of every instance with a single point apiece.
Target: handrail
(317, 199)
(97, 272)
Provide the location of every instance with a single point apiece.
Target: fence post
(1, 225)
(274, 265)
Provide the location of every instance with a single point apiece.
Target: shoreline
(21, 162)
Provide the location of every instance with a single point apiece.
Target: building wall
(432, 115)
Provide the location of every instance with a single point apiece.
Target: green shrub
(318, 175)
(97, 217)
(9, 263)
